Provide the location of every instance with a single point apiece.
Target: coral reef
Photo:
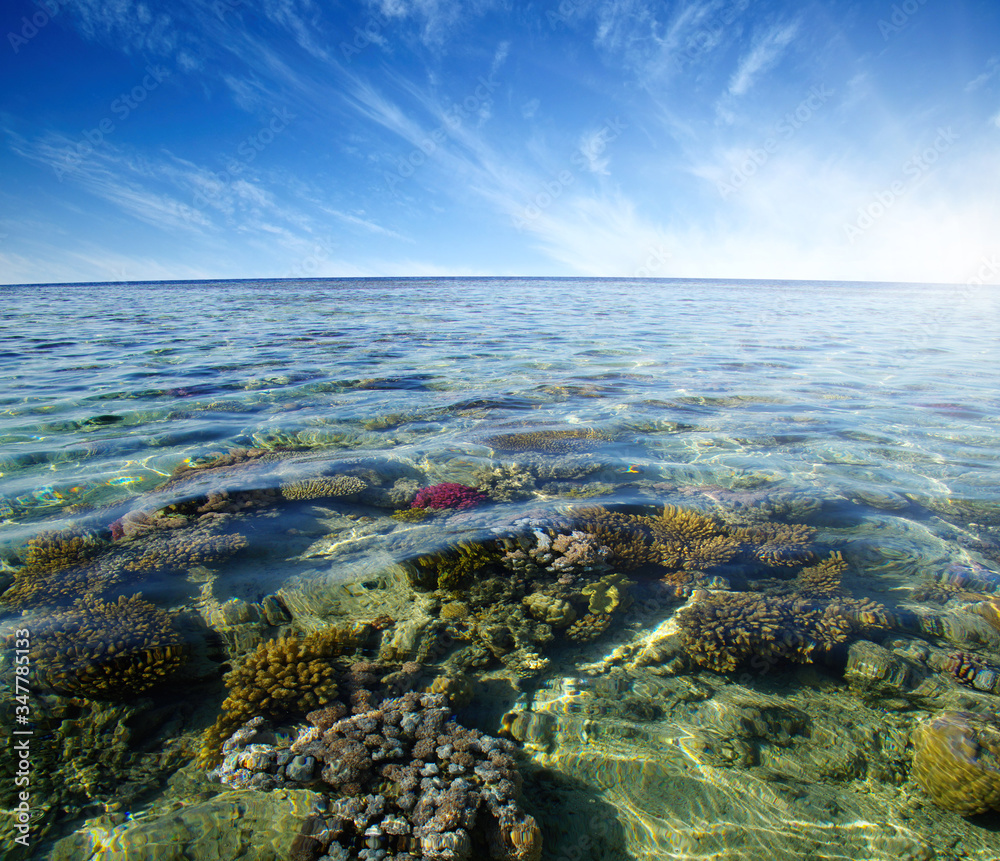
(448, 495)
(57, 568)
(505, 483)
(106, 650)
(324, 487)
(556, 612)
(410, 515)
(283, 678)
(723, 630)
(180, 550)
(412, 783)
(452, 568)
(777, 544)
(626, 536)
(549, 441)
(686, 540)
(589, 627)
(565, 554)
(608, 594)
(956, 761)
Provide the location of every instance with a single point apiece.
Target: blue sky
(297, 138)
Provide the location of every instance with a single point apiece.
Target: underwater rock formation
(106, 650)
(410, 782)
(448, 495)
(956, 761)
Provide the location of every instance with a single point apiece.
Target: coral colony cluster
(402, 779)
(409, 782)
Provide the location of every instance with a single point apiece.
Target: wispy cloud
(765, 52)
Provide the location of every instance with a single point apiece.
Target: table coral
(956, 761)
(106, 650)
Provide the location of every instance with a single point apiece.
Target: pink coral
(448, 495)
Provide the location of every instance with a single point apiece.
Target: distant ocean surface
(868, 415)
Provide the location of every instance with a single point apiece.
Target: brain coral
(448, 495)
(956, 761)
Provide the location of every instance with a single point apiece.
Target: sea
(252, 459)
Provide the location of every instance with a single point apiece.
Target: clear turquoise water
(108, 387)
(880, 400)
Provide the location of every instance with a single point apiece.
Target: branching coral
(106, 650)
(723, 630)
(453, 567)
(448, 495)
(626, 536)
(777, 544)
(685, 540)
(284, 678)
(179, 550)
(57, 569)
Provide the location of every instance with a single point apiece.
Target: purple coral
(448, 495)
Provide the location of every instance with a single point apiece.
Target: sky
(197, 139)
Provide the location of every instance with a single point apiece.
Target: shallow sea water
(178, 433)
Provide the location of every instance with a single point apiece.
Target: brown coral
(283, 678)
(106, 650)
(324, 487)
(57, 568)
(723, 630)
(549, 441)
(956, 761)
(626, 536)
(689, 541)
(777, 544)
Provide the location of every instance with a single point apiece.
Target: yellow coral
(283, 678)
(778, 544)
(449, 569)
